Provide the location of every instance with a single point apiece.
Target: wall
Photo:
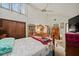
(35, 16)
(10, 15)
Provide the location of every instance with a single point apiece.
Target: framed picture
(62, 25)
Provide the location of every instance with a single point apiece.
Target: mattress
(29, 47)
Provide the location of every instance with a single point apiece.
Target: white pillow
(38, 37)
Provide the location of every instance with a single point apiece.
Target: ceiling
(58, 8)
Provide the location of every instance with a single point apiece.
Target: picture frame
(62, 25)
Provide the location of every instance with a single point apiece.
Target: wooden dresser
(72, 44)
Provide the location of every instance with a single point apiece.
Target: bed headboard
(38, 30)
(41, 30)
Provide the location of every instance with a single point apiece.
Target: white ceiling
(59, 8)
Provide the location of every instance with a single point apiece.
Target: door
(20, 30)
(55, 32)
(1, 23)
(10, 27)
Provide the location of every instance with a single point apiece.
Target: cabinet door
(72, 51)
(1, 23)
(10, 26)
(20, 30)
(6, 25)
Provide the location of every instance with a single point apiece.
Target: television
(74, 22)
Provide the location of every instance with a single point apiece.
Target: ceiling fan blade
(33, 6)
(46, 6)
(48, 11)
(44, 9)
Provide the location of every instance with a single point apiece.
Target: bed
(28, 47)
(59, 48)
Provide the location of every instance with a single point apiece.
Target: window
(22, 9)
(16, 7)
(5, 5)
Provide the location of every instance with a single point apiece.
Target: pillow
(49, 38)
(45, 39)
(6, 45)
(45, 35)
(38, 37)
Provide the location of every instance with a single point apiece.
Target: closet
(13, 28)
(20, 30)
(0, 23)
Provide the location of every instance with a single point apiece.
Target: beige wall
(35, 16)
(10, 15)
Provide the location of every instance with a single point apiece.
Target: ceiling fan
(45, 9)
(42, 10)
